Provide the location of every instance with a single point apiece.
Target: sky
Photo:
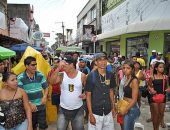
(50, 13)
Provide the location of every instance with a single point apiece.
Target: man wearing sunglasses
(71, 104)
(34, 82)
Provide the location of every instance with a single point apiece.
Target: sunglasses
(33, 64)
(57, 61)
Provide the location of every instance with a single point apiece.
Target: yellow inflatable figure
(44, 67)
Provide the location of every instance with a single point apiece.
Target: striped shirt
(33, 87)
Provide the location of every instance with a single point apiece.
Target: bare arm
(89, 106)
(44, 99)
(112, 98)
(141, 76)
(83, 79)
(88, 100)
(55, 77)
(27, 109)
(135, 92)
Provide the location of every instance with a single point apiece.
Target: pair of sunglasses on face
(33, 64)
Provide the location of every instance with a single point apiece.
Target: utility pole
(63, 31)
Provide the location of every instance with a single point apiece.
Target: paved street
(145, 114)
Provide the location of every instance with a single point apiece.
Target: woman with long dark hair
(15, 105)
(158, 85)
(131, 91)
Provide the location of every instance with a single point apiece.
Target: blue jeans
(77, 122)
(130, 118)
(22, 126)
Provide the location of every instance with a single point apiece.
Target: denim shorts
(22, 126)
(131, 117)
(75, 116)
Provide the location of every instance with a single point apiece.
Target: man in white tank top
(71, 83)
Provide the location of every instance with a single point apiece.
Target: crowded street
(84, 65)
(145, 114)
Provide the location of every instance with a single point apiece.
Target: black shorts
(39, 119)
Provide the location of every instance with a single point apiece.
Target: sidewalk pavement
(145, 114)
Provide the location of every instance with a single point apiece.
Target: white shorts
(104, 122)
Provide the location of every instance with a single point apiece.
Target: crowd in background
(84, 88)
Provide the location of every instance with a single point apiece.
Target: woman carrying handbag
(158, 85)
(131, 90)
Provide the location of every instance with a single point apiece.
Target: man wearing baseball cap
(100, 96)
(154, 53)
(83, 66)
(71, 103)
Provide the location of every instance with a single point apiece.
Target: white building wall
(86, 9)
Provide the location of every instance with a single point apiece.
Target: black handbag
(2, 115)
(55, 99)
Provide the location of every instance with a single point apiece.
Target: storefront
(137, 44)
(137, 31)
(113, 46)
(167, 47)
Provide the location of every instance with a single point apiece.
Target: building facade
(22, 22)
(89, 25)
(5, 39)
(130, 26)
(3, 18)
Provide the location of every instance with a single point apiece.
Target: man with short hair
(153, 56)
(83, 66)
(158, 59)
(100, 96)
(55, 96)
(140, 60)
(71, 104)
(34, 82)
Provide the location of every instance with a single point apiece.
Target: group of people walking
(78, 92)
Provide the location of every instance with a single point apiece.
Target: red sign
(46, 34)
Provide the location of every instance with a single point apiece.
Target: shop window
(93, 13)
(137, 44)
(167, 47)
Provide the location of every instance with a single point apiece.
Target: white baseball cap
(153, 50)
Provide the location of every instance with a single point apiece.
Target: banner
(88, 32)
(137, 15)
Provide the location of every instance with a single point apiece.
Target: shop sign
(46, 34)
(137, 15)
(37, 35)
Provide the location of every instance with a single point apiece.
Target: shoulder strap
(163, 83)
(130, 81)
(13, 98)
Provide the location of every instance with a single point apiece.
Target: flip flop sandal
(149, 120)
(163, 125)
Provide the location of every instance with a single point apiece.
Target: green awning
(6, 53)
